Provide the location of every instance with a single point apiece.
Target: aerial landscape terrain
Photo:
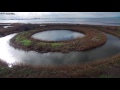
(55, 45)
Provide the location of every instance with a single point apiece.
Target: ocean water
(90, 21)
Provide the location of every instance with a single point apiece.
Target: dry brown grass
(104, 68)
(93, 38)
(90, 70)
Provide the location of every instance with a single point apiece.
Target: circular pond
(57, 35)
(15, 56)
(59, 39)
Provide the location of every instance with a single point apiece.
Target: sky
(17, 15)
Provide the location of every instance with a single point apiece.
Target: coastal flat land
(108, 68)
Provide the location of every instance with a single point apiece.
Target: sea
(89, 21)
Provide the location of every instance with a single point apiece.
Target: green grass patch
(21, 36)
(26, 42)
(22, 39)
(43, 44)
(56, 44)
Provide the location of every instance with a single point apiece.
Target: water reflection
(57, 35)
(7, 26)
(12, 55)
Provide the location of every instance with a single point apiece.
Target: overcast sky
(59, 15)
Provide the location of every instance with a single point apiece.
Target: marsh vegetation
(103, 68)
(93, 38)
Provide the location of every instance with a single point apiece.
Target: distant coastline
(55, 18)
(90, 21)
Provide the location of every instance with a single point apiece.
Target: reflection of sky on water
(11, 55)
(7, 26)
(57, 35)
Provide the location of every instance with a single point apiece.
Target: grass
(118, 31)
(106, 68)
(43, 44)
(107, 76)
(21, 39)
(92, 70)
(99, 36)
(24, 40)
(56, 44)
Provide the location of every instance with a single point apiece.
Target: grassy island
(93, 38)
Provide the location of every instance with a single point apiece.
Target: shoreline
(93, 38)
(109, 67)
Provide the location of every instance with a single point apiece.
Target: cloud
(61, 15)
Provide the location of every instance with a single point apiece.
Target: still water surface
(91, 21)
(57, 35)
(15, 56)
